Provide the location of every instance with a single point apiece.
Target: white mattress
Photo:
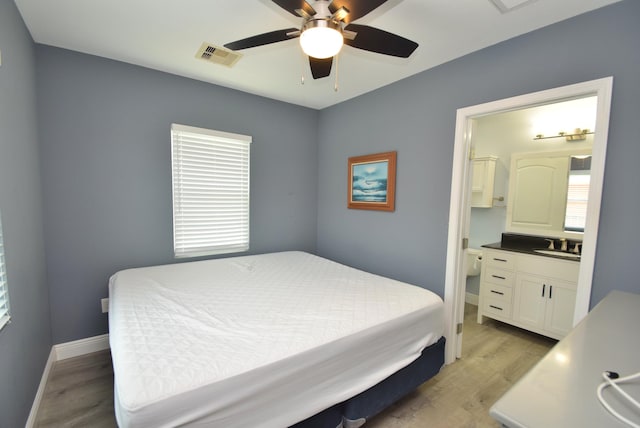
(258, 341)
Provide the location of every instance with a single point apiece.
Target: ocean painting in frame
(372, 182)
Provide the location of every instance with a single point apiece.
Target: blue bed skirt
(355, 411)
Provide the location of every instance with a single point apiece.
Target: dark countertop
(525, 244)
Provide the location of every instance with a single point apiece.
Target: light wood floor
(79, 391)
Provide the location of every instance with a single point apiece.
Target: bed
(273, 340)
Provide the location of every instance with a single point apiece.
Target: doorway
(459, 217)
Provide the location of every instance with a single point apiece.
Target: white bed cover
(258, 341)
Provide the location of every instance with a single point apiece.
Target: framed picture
(372, 182)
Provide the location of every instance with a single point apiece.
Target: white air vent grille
(217, 55)
(505, 6)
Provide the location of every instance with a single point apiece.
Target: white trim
(210, 176)
(31, 420)
(59, 352)
(472, 299)
(598, 156)
(81, 347)
(228, 137)
(458, 223)
(458, 217)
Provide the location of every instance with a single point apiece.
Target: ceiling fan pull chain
(302, 63)
(335, 86)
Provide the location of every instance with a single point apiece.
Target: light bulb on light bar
(321, 39)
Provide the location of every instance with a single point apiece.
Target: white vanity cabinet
(544, 305)
(497, 280)
(536, 293)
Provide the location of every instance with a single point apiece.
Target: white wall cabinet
(482, 182)
(537, 193)
(536, 293)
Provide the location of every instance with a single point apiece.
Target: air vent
(217, 55)
(505, 6)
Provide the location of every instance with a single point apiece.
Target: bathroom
(563, 127)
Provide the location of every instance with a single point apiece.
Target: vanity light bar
(578, 135)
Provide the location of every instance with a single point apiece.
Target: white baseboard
(63, 351)
(471, 298)
(81, 347)
(31, 420)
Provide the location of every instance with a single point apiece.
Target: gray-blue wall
(106, 168)
(416, 117)
(26, 342)
(102, 132)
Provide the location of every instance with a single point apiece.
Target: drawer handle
(497, 292)
(499, 277)
(495, 307)
(500, 260)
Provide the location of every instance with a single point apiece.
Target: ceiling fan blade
(357, 8)
(320, 67)
(263, 39)
(379, 41)
(292, 6)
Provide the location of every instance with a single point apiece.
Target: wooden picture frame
(372, 182)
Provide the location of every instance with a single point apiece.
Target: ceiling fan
(326, 26)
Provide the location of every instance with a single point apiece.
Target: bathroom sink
(558, 253)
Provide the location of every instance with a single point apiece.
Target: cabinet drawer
(498, 307)
(500, 259)
(499, 276)
(565, 270)
(500, 292)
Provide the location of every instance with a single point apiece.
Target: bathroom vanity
(530, 290)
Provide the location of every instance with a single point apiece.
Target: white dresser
(560, 391)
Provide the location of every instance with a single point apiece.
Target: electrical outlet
(105, 305)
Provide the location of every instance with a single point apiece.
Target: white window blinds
(4, 292)
(577, 202)
(210, 191)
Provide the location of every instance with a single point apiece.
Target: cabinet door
(530, 300)
(482, 180)
(561, 304)
(477, 180)
(537, 193)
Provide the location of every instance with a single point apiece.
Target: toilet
(474, 261)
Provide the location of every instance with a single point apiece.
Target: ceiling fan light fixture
(321, 38)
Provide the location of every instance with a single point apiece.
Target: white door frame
(459, 210)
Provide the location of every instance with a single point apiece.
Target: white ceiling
(165, 35)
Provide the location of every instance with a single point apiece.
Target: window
(210, 172)
(577, 201)
(578, 194)
(4, 292)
